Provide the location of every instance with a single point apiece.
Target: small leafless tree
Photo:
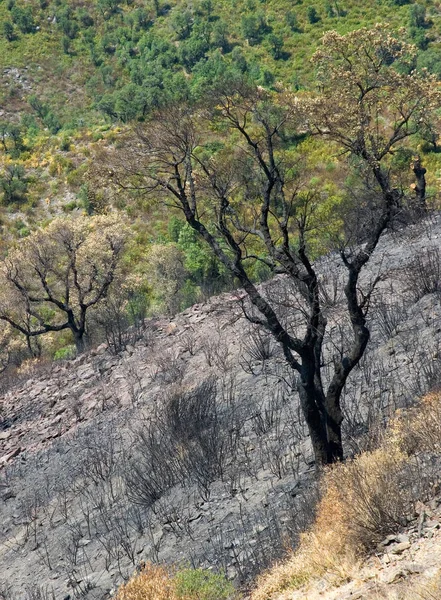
(259, 345)
(188, 342)
(388, 316)
(121, 317)
(170, 368)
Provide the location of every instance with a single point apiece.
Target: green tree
(417, 16)
(292, 21)
(38, 106)
(312, 15)
(11, 138)
(142, 18)
(65, 42)
(276, 45)
(254, 27)
(23, 18)
(49, 119)
(202, 266)
(14, 183)
(108, 8)
(220, 36)
(193, 50)
(182, 22)
(239, 60)
(67, 23)
(8, 31)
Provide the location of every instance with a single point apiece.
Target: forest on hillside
(245, 182)
(82, 81)
(154, 155)
(77, 78)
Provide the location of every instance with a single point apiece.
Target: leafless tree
(250, 200)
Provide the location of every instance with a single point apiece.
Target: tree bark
(420, 185)
(313, 408)
(80, 343)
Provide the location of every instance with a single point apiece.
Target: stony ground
(73, 521)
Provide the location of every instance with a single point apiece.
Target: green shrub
(14, 184)
(292, 21)
(70, 206)
(65, 144)
(276, 45)
(203, 585)
(417, 16)
(65, 353)
(254, 27)
(312, 15)
(8, 31)
(23, 18)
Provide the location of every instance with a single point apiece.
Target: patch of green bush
(203, 585)
(65, 353)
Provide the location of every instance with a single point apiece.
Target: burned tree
(235, 172)
(419, 186)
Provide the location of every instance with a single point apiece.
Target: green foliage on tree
(182, 23)
(67, 23)
(23, 18)
(312, 15)
(8, 31)
(276, 45)
(254, 27)
(14, 184)
(48, 118)
(11, 138)
(417, 15)
(292, 21)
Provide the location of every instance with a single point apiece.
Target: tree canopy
(56, 275)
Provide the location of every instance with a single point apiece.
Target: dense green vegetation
(122, 58)
(77, 75)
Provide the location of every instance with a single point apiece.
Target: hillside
(73, 72)
(85, 496)
(121, 59)
(220, 317)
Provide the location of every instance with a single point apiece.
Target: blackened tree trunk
(420, 184)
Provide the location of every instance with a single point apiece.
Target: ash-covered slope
(189, 446)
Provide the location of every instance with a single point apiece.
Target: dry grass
(419, 428)
(429, 590)
(152, 583)
(362, 501)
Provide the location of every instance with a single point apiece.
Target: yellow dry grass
(363, 500)
(152, 583)
(431, 590)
